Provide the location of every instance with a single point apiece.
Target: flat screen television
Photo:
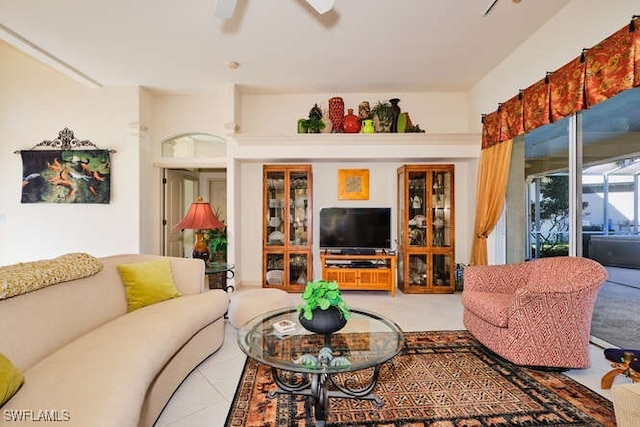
(355, 228)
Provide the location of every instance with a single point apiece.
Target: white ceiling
(282, 46)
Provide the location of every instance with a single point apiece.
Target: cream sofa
(88, 362)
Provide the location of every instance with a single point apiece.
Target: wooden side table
(218, 273)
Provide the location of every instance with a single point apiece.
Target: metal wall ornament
(66, 170)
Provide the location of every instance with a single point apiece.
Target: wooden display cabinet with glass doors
(286, 227)
(426, 255)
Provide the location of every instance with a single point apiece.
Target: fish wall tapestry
(66, 176)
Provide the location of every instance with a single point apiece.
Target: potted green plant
(217, 243)
(216, 240)
(323, 309)
(382, 114)
(313, 124)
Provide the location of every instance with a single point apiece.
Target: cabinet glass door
(298, 268)
(441, 270)
(417, 193)
(441, 208)
(275, 219)
(275, 269)
(298, 201)
(418, 270)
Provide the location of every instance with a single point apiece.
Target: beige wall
(37, 102)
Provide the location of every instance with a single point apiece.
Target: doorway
(180, 188)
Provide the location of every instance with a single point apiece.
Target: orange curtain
(634, 28)
(493, 174)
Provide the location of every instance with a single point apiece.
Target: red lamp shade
(200, 217)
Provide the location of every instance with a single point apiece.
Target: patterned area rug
(444, 378)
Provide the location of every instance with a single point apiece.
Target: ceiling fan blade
(321, 6)
(490, 7)
(224, 9)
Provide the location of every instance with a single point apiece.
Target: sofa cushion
(11, 379)
(105, 374)
(492, 307)
(147, 283)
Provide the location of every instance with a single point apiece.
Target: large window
(579, 178)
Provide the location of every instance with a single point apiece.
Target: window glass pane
(194, 145)
(611, 158)
(546, 163)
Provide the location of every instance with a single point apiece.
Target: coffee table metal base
(318, 388)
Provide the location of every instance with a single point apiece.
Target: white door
(173, 206)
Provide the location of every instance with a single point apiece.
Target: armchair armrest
(504, 278)
(565, 275)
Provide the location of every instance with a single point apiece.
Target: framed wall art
(66, 170)
(353, 184)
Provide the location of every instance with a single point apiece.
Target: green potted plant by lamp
(216, 240)
(323, 310)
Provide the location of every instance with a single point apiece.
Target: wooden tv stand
(361, 272)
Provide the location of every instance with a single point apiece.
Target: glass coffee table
(322, 366)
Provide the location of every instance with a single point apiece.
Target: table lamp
(200, 217)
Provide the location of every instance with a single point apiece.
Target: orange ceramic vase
(351, 122)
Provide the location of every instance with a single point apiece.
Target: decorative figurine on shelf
(438, 230)
(336, 113)
(416, 202)
(396, 114)
(351, 122)
(364, 110)
(367, 126)
(315, 112)
(328, 126)
(438, 188)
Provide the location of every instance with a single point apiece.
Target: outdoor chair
(623, 361)
(535, 313)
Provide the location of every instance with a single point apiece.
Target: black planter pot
(324, 322)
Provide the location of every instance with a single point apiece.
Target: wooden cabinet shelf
(361, 272)
(426, 229)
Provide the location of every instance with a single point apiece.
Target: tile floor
(205, 396)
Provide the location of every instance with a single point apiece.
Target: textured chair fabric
(535, 313)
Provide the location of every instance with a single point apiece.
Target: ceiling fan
(224, 8)
(493, 3)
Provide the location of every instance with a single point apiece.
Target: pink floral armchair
(535, 313)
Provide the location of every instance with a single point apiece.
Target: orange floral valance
(535, 105)
(600, 73)
(610, 66)
(490, 129)
(566, 89)
(511, 118)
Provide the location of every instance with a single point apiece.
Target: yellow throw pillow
(11, 379)
(147, 283)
